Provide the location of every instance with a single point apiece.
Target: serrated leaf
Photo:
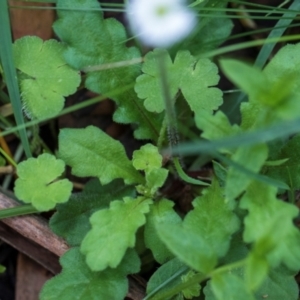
(194, 77)
(45, 77)
(189, 247)
(213, 220)
(271, 220)
(71, 221)
(174, 268)
(147, 158)
(37, 183)
(91, 152)
(77, 281)
(160, 211)
(113, 231)
(251, 158)
(102, 41)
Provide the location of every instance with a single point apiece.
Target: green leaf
(289, 171)
(194, 77)
(250, 112)
(71, 221)
(280, 284)
(155, 179)
(285, 63)
(45, 78)
(147, 158)
(77, 281)
(165, 278)
(213, 220)
(91, 152)
(220, 172)
(193, 290)
(276, 88)
(113, 231)
(257, 84)
(102, 41)
(37, 183)
(160, 211)
(228, 286)
(271, 220)
(247, 77)
(251, 158)
(189, 247)
(2, 269)
(215, 126)
(256, 270)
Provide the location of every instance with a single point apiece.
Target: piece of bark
(30, 278)
(39, 254)
(26, 21)
(33, 228)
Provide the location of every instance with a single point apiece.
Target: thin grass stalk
(283, 23)
(9, 69)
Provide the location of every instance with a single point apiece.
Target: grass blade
(283, 23)
(6, 57)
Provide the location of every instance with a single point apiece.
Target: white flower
(160, 23)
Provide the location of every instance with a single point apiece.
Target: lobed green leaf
(269, 221)
(45, 78)
(113, 232)
(148, 159)
(194, 77)
(38, 184)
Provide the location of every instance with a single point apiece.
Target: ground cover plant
(229, 234)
